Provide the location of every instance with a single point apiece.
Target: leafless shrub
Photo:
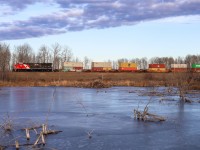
(97, 84)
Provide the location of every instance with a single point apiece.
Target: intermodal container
(73, 64)
(127, 65)
(157, 70)
(156, 65)
(179, 69)
(97, 69)
(195, 69)
(107, 68)
(178, 65)
(78, 69)
(127, 69)
(195, 65)
(66, 69)
(102, 64)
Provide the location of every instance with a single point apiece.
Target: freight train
(33, 67)
(105, 67)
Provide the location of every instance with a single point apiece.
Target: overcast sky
(104, 29)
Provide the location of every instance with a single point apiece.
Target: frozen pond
(107, 113)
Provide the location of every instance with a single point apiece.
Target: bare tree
(192, 59)
(56, 50)
(43, 54)
(23, 53)
(144, 63)
(179, 60)
(5, 57)
(86, 62)
(66, 54)
(122, 60)
(76, 59)
(115, 65)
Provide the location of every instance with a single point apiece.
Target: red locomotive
(40, 67)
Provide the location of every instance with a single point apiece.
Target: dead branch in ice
(89, 134)
(145, 115)
(79, 101)
(45, 131)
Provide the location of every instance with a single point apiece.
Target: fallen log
(145, 116)
(51, 132)
(156, 117)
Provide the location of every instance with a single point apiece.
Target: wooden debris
(52, 132)
(35, 131)
(90, 134)
(145, 116)
(32, 128)
(17, 145)
(41, 138)
(44, 132)
(2, 147)
(27, 134)
(187, 100)
(156, 117)
(44, 129)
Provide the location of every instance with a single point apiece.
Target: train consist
(33, 67)
(105, 67)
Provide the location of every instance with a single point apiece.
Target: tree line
(57, 54)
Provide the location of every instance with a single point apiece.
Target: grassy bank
(84, 79)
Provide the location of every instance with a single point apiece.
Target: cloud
(27, 32)
(18, 4)
(77, 15)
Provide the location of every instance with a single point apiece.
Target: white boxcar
(102, 64)
(178, 65)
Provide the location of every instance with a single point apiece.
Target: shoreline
(101, 80)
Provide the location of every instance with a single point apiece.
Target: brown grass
(86, 79)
